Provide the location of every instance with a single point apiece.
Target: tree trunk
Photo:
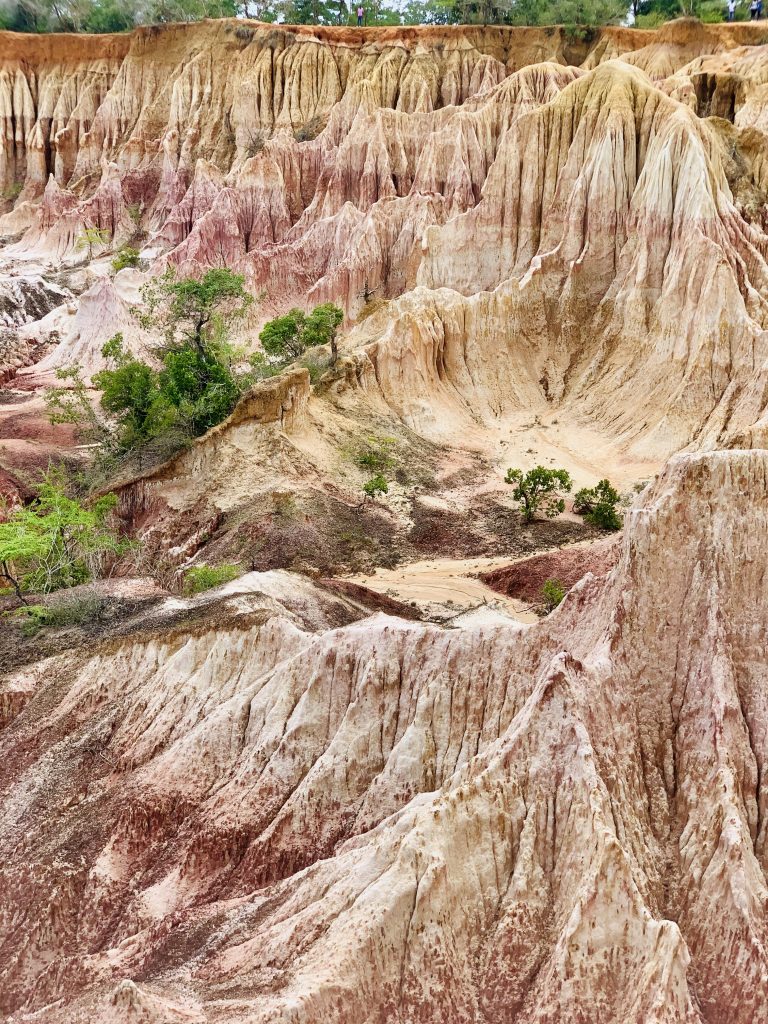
(5, 574)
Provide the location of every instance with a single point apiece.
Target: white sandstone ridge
(240, 819)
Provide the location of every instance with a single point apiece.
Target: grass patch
(205, 577)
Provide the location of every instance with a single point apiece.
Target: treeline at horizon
(125, 15)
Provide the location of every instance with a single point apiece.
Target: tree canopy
(289, 336)
(114, 16)
(56, 541)
(106, 15)
(599, 505)
(539, 490)
(152, 409)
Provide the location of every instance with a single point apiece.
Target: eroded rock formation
(236, 818)
(597, 235)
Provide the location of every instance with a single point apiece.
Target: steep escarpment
(254, 821)
(549, 235)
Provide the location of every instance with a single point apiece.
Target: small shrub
(125, 257)
(12, 192)
(31, 618)
(309, 130)
(55, 541)
(599, 505)
(539, 490)
(711, 13)
(376, 485)
(579, 33)
(256, 143)
(651, 20)
(376, 455)
(553, 593)
(316, 366)
(372, 305)
(69, 611)
(92, 238)
(262, 368)
(135, 212)
(205, 577)
(283, 505)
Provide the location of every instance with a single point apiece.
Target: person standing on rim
(359, 15)
(731, 9)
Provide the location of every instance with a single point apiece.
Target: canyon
(369, 780)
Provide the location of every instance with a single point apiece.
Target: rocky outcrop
(236, 464)
(26, 299)
(239, 819)
(525, 579)
(256, 806)
(102, 312)
(51, 88)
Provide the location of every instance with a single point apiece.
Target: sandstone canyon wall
(554, 221)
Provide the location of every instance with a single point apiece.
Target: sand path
(444, 588)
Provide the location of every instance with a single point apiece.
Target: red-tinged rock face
(267, 804)
(544, 233)
(240, 819)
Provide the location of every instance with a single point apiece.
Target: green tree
(90, 239)
(599, 505)
(539, 490)
(581, 13)
(311, 12)
(109, 16)
(288, 337)
(419, 12)
(165, 11)
(154, 410)
(200, 385)
(55, 541)
(650, 13)
(283, 336)
(195, 317)
(71, 403)
(131, 395)
(468, 12)
(321, 326)
(24, 16)
(260, 10)
(194, 311)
